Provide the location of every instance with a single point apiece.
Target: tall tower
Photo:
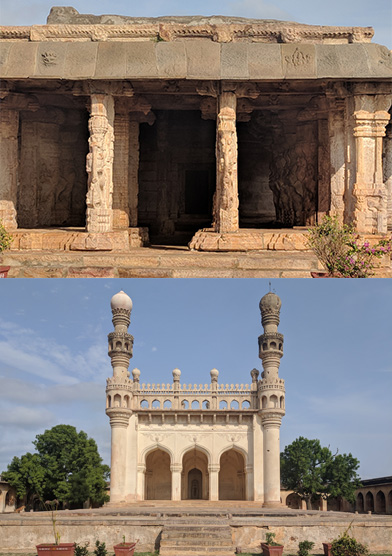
(119, 392)
(271, 396)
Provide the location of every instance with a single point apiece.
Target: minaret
(271, 396)
(119, 392)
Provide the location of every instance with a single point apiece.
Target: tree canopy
(311, 471)
(66, 467)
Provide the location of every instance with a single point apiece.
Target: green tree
(312, 471)
(26, 475)
(68, 465)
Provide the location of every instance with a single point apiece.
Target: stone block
(345, 60)
(42, 272)
(80, 59)
(234, 61)
(171, 60)
(111, 60)
(145, 273)
(298, 61)
(20, 59)
(264, 61)
(5, 47)
(91, 272)
(203, 59)
(379, 60)
(50, 59)
(141, 59)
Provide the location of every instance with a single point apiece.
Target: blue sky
(377, 13)
(337, 356)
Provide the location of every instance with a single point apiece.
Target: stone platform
(72, 253)
(151, 521)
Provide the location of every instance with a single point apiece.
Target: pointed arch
(232, 483)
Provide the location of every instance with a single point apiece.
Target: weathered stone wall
(52, 176)
(24, 532)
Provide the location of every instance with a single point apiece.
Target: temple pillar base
(79, 240)
(208, 239)
(272, 504)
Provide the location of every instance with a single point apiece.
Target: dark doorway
(176, 175)
(195, 479)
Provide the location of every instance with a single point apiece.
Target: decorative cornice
(228, 30)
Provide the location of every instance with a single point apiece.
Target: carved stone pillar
(120, 168)
(99, 164)
(133, 171)
(9, 121)
(336, 125)
(369, 118)
(370, 211)
(388, 173)
(226, 195)
(323, 186)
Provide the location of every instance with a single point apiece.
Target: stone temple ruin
(201, 442)
(224, 132)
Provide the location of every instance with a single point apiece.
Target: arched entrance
(369, 502)
(194, 484)
(360, 503)
(232, 476)
(381, 506)
(158, 476)
(293, 501)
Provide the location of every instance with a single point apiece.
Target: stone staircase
(196, 540)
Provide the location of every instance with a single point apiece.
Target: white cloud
(25, 417)
(154, 348)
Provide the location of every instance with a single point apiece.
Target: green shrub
(270, 539)
(5, 238)
(341, 250)
(304, 547)
(81, 549)
(100, 549)
(346, 545)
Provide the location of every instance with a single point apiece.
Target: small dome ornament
(270, 303)
(121, 301)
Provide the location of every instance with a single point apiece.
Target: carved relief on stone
(369, 191)
(99, 164)
(293, 178)
(226, 195)
(9, 120)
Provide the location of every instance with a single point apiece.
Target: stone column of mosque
(369, 120)
(225, 211)
(120, 166)
(176, 468)
(213, 468)
(119, 391)
(271, 394)
(99, 164)
(9, 122)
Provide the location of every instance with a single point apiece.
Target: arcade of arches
(195, 476)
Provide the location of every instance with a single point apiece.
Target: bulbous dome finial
(270, 303)
(121, 301)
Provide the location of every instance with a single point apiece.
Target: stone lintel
(192, 59)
